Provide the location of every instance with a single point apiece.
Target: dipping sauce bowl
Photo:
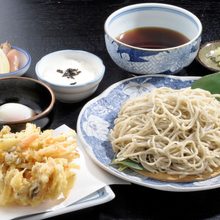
(151, 60)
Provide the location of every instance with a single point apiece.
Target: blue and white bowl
(152, 61)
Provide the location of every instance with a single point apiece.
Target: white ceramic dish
(25, 63)
(99, 197)
(146, 60)
(80, 86)
(97, 117)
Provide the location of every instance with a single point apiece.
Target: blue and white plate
(97, 118)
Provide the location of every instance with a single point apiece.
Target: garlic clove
(6, 47)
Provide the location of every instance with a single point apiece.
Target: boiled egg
(10, 112)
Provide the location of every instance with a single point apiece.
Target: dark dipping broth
(152, 38)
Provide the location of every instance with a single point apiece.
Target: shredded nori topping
(70, 73)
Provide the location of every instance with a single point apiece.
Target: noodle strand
(170, 131)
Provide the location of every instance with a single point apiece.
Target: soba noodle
(176, 132)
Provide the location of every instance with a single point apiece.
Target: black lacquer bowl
(30, 92)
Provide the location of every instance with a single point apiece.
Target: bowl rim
(41, 114)
(28, 63)
(163, 5)
(97, 79)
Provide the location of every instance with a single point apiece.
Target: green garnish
(127, 163)
(209, 82)
(214, 55)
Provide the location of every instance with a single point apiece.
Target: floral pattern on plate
(97, 118)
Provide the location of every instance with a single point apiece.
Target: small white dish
(25, 62)
(72, 74)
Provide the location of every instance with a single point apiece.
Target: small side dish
(68, 68)
(10, 58)
(25, 100)
(72, 74)
(35, 165)
(209, 55)
(13, 60)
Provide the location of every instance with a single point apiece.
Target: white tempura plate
(97, 118)
(99, 197)
(90, 189)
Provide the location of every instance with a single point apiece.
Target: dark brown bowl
(30, 92)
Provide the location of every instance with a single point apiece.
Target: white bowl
(152, 61)
(65, 89)
(25, 63)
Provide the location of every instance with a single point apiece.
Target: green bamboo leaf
(209, 82)
(127, 163)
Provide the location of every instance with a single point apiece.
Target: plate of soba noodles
(155, 131)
